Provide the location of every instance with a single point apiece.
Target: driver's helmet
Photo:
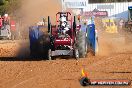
(63, 19)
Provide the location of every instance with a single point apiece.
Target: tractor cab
(63, 24)
(63, 32)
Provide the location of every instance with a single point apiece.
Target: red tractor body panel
(63, 41)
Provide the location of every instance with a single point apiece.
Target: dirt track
(61, 73)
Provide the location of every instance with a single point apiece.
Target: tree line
(9, 6)
(108, 1)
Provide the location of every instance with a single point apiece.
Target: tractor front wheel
(81, 44)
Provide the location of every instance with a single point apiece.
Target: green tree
(2, 2)
(3, 6)
(9, 6)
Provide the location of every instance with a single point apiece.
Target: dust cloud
(32, 11)
(114, 43)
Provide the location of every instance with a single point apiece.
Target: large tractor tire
(33, 37)
(44, 45)
(39, 43)
(81, 44)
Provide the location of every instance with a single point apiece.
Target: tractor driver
(64, 24)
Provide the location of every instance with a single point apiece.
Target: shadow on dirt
(20, 51)
(35, 59)
(20, 59)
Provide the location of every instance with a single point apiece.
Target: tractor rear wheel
(43, 45)
(33, 50)
(81, 44)
(33, 42)
(39, 43)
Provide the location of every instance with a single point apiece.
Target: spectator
(1, 21)
(121, 23)
(6, 19)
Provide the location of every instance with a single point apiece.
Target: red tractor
(7, 27)
(64, 38)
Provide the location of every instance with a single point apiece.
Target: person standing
(1, 23)
(6, 19)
